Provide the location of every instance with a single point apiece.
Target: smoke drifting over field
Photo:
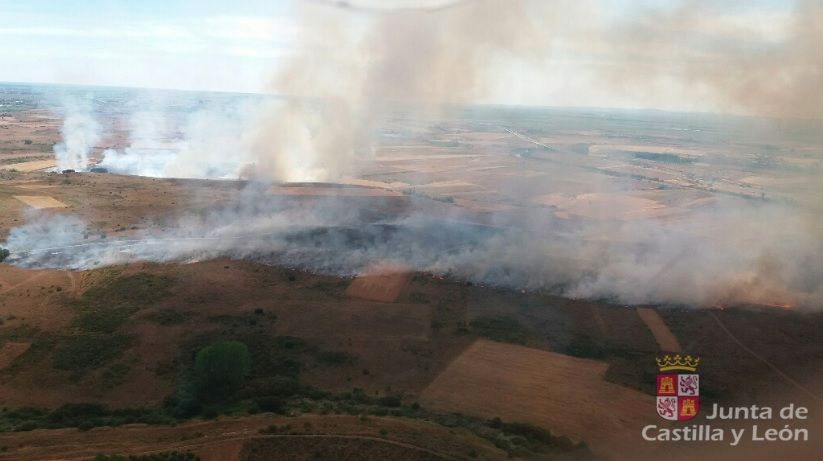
(353, 68)
(639, 262)
(80, 133)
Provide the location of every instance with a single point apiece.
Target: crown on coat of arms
(678, 362)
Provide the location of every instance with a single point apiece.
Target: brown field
(40, 201)
(378, 284)
(382, 335)
(10, 351)
(352, 320)
(30, 297)
(602, 206)
(34, 186)
(34, 165)
(566, 394)
(664, 337)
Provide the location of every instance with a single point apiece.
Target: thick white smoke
(213, 143)
(80, 133)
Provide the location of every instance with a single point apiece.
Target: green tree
(220, 369)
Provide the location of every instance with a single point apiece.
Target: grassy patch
(585, 346)
(41, 344)
(102, 321)
(114, 375)
(336, 358)
(130, 291)
(500, 328)
(85, 351)
(167, 317)
(13, 160)
(18, 333)
(106, 306)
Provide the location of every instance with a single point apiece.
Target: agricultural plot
(564, 394)
(40, 201)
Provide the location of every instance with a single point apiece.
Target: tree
(220, 369)
(4, 253)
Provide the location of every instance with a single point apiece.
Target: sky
(239, 45)
(200, 45)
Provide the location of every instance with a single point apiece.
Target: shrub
(333, 358)
(391, 401)
(221, 369)
(279, 387)
(270, 404)
(73, 414)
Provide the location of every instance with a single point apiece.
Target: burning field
(370, 258)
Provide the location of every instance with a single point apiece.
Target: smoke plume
(212, 144)
(80, 133)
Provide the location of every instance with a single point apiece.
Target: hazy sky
(237, 46)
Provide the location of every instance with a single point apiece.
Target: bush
(4, 253)
(73, 414)
(220, 369)
(270, 404)
(391, 401)
(334, 358)
(83, 416)
(280, 387)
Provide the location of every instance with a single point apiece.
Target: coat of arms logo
(678, 394)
